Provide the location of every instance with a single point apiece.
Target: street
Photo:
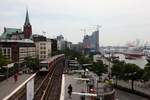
(122, 95)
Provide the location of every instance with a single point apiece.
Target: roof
(9, 31)
(27, 22)
(21, 41)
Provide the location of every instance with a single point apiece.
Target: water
(141, 62)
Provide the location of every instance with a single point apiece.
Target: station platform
(9, 85)
(77, 85)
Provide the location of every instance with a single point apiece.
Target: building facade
(27, 27)
(17, 33)
(43, 47)
(60, 42)
(17, 50)
(91, 42)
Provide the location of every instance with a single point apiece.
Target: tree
(117, 71)
(146, 75)
(3, 60)
(99, 68)
(31, 63)
(132, 72)
(84, 60)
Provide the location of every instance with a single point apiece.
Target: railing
(20, 92)
(44, 90)
(41, 93)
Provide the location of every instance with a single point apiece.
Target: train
(47, 64)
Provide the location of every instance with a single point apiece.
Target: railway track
(37, 81)
(40, 90)
(50, 87)
(53, 91)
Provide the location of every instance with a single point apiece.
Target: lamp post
(84, 67)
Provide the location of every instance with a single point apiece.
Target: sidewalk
(8, 85)
(138, 87)
(77, 85)
(145, 90)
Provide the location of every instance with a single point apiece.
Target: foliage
(71, 54)
(99, 68)
(84, 60)
(31, 63)
(132, 72)
(128, 72)
(146, 75)
(117, 70)
(3, 60)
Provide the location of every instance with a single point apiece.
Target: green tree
(84, 60)
(31, 63)
(3, 60)
(132, 72)
(99, 68)
(146, 75)
(117, 71)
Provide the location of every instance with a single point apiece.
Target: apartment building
(17, 50)
(43, 47)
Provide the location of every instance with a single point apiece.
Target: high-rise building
(91, 42)
(60, 42)
(95, 41)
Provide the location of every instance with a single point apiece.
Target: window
(8, 51)
(4, 50)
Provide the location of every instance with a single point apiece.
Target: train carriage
(47, 64)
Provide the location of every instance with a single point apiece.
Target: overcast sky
(121, 20)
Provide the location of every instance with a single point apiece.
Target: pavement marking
(86, 94)
(62, 95)
(84, 79)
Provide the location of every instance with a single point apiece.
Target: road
(122, 95)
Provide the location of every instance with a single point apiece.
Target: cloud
(128, 18)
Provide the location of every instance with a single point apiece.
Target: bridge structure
(41, 86)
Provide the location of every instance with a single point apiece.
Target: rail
(44, 89)
(19, 92)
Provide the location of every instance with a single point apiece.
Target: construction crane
(97, 27)
(84, 31)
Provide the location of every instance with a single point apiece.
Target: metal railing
(20, 92)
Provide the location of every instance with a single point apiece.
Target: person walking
(16, 77)
(70, 90)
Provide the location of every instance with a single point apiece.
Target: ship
(134, 52)
(130, 57)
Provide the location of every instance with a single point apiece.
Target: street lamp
(84, 67)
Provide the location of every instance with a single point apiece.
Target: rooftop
(21, 41)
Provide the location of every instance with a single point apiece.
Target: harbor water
(141, 62)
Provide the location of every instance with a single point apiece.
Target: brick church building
(16, 33)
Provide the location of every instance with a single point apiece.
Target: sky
(120, 20)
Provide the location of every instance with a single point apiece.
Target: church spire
(27, 22)
(27, 28)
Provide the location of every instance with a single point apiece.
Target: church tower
(27, 28)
